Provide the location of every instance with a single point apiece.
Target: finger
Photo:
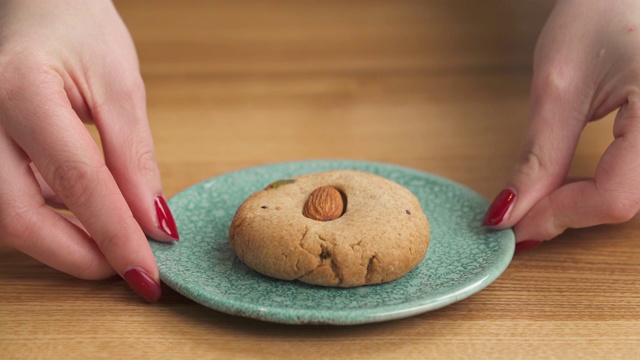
(129, 151)
(29, 226)
(550, 142)
(119, 111)
(611, 197)
(71, 163)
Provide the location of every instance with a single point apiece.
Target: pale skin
(66, 62)
(586, 65)
(63, 63)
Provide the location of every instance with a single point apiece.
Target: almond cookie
(340, 228)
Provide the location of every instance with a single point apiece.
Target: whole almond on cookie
(324, 204)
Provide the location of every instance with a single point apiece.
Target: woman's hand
(586, 65)
(61, 63)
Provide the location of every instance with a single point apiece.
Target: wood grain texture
(440, 86)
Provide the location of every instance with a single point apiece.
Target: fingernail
(166, 223)
(143, 284)
(527, 244)
(499, 208)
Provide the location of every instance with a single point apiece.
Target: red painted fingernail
(166, 223)
(143, 284)
(527, 244)
(499, 208)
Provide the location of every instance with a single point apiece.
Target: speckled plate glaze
(462, 259)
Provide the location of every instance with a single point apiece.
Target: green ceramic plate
(462, 259)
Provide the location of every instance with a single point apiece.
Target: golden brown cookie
(378, 234)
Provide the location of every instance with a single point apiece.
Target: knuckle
(16, 226)
(131, 87)
(553, 80)
(73, 181)
(94, 268)
(555, 228)
(530, 165)
(107, 243)
(117, 239)
(136, 85)
(126, 91)
(137, 160)
(19, 73)
(146, 161)
(619, 208)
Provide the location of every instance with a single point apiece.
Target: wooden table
(437, 86)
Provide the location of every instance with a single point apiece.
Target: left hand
(586, 65)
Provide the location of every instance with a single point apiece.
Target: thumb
(551, 138)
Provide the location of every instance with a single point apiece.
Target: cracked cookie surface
(382, 234)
